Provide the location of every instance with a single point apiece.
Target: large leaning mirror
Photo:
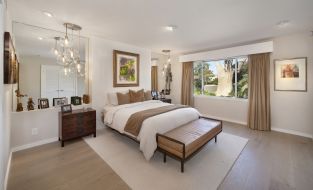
(44, 68)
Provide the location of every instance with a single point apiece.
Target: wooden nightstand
(78, 123)
(166, 100)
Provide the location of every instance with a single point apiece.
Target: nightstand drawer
(77, 124)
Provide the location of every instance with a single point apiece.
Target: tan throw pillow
(123, 98)
(138, 96)
(148, 95)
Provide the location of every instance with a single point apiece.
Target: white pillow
(113, 98)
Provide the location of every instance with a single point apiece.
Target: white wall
(101, 76)
(46, 121)
(291, 111)
(232, 110)
(2, 137)
(6, 103)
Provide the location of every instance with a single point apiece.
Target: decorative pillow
(138, 96)
(122, 98)
(148, 95)
(113, 99)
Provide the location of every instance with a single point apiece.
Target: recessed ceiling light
(283, 23)
(48, 14)
(40, 38)
(171, 28)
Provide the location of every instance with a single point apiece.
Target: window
(223, 78)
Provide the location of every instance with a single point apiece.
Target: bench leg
(164, 157)
(182, 166)
(215, 138)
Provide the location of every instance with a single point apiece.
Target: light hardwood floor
(270, 160)
(50, 167)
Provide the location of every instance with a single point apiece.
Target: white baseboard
(7, 173)
(225, 119)
(37, 143)
(292, 132)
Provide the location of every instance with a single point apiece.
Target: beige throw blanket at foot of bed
(135, 121)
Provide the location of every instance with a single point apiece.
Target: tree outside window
(223, 78)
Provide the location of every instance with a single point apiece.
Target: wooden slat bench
(185, 141)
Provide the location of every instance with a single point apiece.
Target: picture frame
(57, 102)
(10, 63)
(66, 108)
(290, 74)
(76, 100)
(125, 69)
(43, 103)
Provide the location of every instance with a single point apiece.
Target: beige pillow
(123, 98)
(138, 96)
(112, 97)
(148, 95)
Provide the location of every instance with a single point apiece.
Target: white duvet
(117, 116)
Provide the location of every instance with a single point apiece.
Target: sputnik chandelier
(67, 50)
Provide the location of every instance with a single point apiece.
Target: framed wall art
(125, 69)
(290, 74)
(10, 68)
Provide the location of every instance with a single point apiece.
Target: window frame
(235, 97)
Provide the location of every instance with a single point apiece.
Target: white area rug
(206, 170)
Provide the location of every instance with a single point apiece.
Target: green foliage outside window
(233, 74)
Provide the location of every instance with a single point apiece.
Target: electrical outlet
(34, 131)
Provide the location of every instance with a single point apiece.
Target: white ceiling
(202, 24)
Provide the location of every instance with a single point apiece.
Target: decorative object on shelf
(57, 102)
(30, 104)
(125, 69)
(66, 108)
(19, 106)
(167, 72)
(75, 100)
(290, 74)
(67, 51)
(43, 103)
(10, 63)
(86, 99)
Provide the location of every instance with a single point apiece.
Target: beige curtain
(187, 84)
(154, 78)
(259, 92)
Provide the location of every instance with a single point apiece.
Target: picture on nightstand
(57, 102)
(66, 108)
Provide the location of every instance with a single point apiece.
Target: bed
(117, 116)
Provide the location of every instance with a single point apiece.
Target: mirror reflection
(52, 64)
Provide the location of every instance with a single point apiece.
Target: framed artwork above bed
(125, 69)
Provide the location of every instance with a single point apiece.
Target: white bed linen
(116, 117)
